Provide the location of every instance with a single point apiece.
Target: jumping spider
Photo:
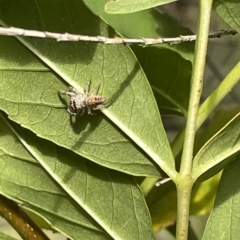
(79, 102)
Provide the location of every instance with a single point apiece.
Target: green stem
(177, 143)
(183, 204)
(209, 104)
(218, 94)
(184, 181)
(147, 185)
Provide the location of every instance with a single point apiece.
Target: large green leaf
(145, 24)
(89, 201)
(167, 67)
(29, 95)
(223, 223)
(229, 12)
(169, 75)
(129, 6)
(222, 145)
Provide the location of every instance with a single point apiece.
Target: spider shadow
(81, 123)
(84, 126)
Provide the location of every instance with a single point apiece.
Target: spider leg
(86, 88)
(81, 111)
(74, 90)
(70, 111)
(98, 107)
(90, 111)
(62, 92)
(97, 88)
(70, 94)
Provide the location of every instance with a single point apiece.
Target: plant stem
(147, 185)
(218, 94)
(25, 227)
(184, 181)
(12, 31)
(209, 104)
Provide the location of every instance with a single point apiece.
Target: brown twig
(12, 31)
(21, 222)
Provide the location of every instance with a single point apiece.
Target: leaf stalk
(184, 181)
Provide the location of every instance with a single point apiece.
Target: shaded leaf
(162, 210)
(126, 6)
(32, 100)
(229, 12)
(223, 222)
(222, 145)
(165, 69)
(89, 201)
(220, 118)
(169, 75)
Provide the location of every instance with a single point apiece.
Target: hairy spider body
(79, 102)
(94, 100)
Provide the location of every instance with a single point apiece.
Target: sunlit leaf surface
(129, 6)
(129, 138)
(77, 197)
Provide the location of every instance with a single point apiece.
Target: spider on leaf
(80, 101)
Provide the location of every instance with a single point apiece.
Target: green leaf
(89, 201)
(167, 67)
(219, 119)
(229, 12)
(171, 88)
(129, 6)
(223, 222)
(6, 237)
(134, 137)
(222, 145)
(145, 24)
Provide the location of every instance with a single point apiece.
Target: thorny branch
(12, 31)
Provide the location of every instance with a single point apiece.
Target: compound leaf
(77, 197)
(134, 137)
(167, 67)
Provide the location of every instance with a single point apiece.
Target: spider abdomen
(94, 100)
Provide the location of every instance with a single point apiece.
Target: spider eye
(74, 104)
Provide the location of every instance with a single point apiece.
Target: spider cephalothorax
(80, 101)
